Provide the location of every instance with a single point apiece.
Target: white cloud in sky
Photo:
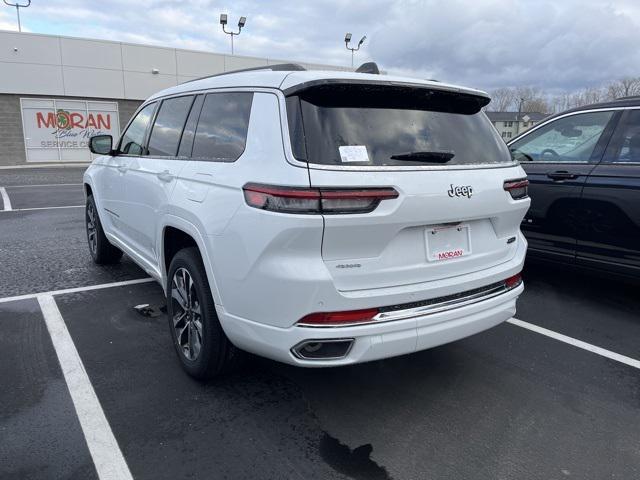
(556, 45)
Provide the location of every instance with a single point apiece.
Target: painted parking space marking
(632, 362)
(103, 447)
(40, 208)
(5, 200)
(87, 288)
(46, 185)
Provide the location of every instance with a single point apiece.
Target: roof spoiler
(369, 67)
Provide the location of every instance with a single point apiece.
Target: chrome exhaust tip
(323, 349)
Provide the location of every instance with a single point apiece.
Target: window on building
(222, 129)
(167, 129)
(133, 139)
(508, 134)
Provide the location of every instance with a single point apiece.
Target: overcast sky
(556, 45)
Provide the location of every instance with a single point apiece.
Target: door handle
(122, 168)
(165, 176)
(562, 175)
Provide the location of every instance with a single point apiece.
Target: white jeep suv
(315, 218)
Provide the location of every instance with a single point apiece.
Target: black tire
(102, 252)
(215, 355)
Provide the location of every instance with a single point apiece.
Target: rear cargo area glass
(424, 126)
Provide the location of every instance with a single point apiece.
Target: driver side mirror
(101, 144)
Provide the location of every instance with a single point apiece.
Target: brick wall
(11, 136)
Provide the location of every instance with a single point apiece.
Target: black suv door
(558, 157)
(609, 233)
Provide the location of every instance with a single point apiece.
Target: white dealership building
(55, 91)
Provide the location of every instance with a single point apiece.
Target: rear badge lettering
(460, 191)
(450, 254)
(349, 265)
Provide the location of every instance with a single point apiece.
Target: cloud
(558, 46)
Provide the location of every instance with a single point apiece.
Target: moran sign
(59, 130)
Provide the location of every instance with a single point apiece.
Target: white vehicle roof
(285, 79)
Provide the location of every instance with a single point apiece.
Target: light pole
(223, 22)
(18, 7)
(347, 39)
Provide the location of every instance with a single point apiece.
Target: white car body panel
(267, 270)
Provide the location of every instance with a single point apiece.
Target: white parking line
(77, 289)
(46, 185)
(105, 452)
(632, 362)
(40, 208)
(5, 200)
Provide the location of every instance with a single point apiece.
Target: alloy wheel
(187, 314)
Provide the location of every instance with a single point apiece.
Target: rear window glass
(222, 128)
(377, 125)
(167, 128)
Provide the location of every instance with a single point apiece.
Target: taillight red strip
(513, 184)
(513, 281)
(339, 318)
(316, 200)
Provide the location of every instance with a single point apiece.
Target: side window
(569, 139)
(186, 143)
(132, 142)
(222, 129)
(625, 147)
(167, 128)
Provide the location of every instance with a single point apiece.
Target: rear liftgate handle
(562, 175)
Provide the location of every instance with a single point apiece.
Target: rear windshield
(382, 125)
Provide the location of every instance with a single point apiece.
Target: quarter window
(167, 129)
(626, 144)
(222, 129)
(568, 139)
(132, 142)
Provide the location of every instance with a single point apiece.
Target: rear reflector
(339, 318)
(513, 281)
(315, 200)
(518, 189)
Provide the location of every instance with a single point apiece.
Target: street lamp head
(347, 38)
(223, 19)
(362, 40)
(242, 21)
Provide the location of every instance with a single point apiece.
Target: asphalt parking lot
(92, 389)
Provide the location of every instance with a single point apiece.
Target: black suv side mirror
(101, 144)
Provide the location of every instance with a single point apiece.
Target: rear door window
(168, 126)
(380, 125)
(221, 134)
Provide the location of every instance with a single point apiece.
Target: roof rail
(278, 67)
(369, 67)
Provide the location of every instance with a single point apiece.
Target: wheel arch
(177, 233)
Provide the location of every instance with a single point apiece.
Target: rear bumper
(373, 341)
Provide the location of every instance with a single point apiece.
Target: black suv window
(132, 142)
(626, 143)
(568, 139)
(167, 129)
(381, 125)
(222, 129)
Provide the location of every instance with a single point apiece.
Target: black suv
(584, 172)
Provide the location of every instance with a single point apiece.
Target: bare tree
(623, 87)
(502, 99)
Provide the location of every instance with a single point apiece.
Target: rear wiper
(435, 156)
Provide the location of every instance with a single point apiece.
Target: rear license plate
(446, 242)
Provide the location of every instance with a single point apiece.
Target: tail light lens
(513, 281)
(518, 189)
(339, 318)
(315, 200)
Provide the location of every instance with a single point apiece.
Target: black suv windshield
(382, 125)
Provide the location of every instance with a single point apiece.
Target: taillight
(513, 281)
(315, 200)
(339, 318)
(518, 189)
